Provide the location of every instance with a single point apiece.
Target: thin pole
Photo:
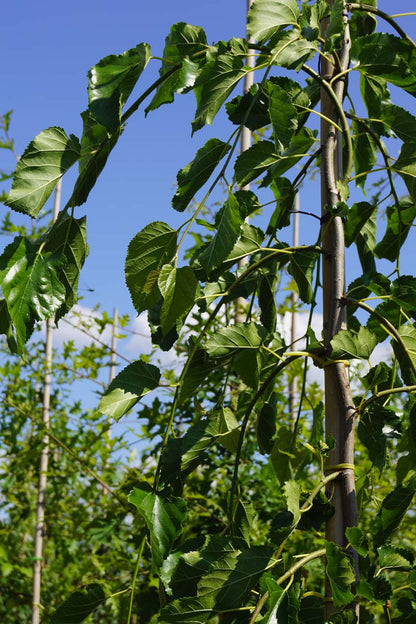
(293, 325)
(44, 455)
(245, 144)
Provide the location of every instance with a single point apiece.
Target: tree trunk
(339, 407)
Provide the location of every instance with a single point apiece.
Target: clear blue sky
(47, 48)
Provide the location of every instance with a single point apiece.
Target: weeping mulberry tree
(247, 516)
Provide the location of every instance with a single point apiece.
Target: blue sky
(47, 49)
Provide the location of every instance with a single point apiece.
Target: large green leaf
(148, 251)
(358, 215)
(179, 288)
(266, 427)
(406, 355)
(196, 173)
(240, 341)
(291, 51)
(366, 242)
(266, 18)
(254, 161)
(183, 43)
(376, 426)
(30, 285)
(340, 572)
(164, 516)
(79, 605)
(228, 230)
(283, 117)
(96, 145)
(388, 57)
(364, 152)
(67, 240)
(43, 163)
(217, 79)
(392, 512)
(232, 577)
(299, 148)
(349, 344)
(128, 387)
(405, 165)
(111, 81)
(301, 267)
(400, 121)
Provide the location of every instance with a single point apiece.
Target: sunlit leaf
(194, 175)
(164, 516)
(283, 116)
(148, 251)
(217, 80)
(254, 161)
(111, 81)
(31, 286)
(349, 344)
(266, 19)
(42, 164)
(179, 288)
(182, 43)
(358, 215)
(128, 387)
(79, 605)
(228, 230)
(405, 165)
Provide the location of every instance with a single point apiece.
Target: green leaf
(348, 344)
(148, 251)
(217, 79)
(291, 51)
(183, 43)
(405, 165)
(340, 572)
(67, 240)
(276, 597)
(393, 558)
(96, 145)
(388, 57)
(6, 326)
(406, 356)
(376, 425)
(188, 610)
(267, 302)
(232, 577)
(266, 428)
(311, 610)
(299, 148)
(196, 173)
(336, 26)
(240, 341)
(266, 19)
(111, 81)
(301, 266)
(358, 215)
(79, 605)
(184, 454)
(364, 152)
(128, 387)
(366, 243)
(283, 117)
(400, 121)
(284, 194)
(392, 512)
(254, 161)
(43, 163)
(164, 517)
(179, 288)
(228, 230)
(30, 286)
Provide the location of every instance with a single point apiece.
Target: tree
(216, 561)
